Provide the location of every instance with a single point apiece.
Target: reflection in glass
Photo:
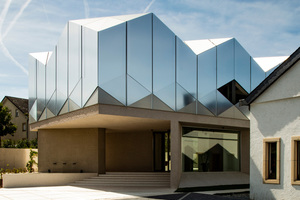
(242, 66)
(112, 61)
(186, 62)
(163, 63)
(41, 88)
(207, 76)
(185, 101)
(32, 81)
(206, 150)
(136, 92)
(225, 62)
(74, 55)
(222, 103)
(89, 63)
(51, 76)
(139, 50)
(62, 69)
(257, 74)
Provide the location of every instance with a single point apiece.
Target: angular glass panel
(207, 72)
(52, 105)
(32, 81)
(158, 104)
(105, 98)
(225, 63)
(33, 113)
(139, 50)
(62, 68)
(210, 101)
(41, 88)
(184, 99)
(222, 103)
(167, 95)
(135, 91)
(112, 61)
(74, 55)
(186, 63)
(202, 110)
(90, 63)
(242, 66)
(257, 74)
(51, 76)
(75, 97)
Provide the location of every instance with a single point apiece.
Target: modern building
(125, 94)
(275, 133)
(19, 111)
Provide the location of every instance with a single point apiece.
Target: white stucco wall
(276, 113)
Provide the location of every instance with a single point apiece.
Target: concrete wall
(275, 114)
(16, 158)
(69, 150)
(129, 151)
(43, 179)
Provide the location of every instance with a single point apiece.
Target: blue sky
(264, 28)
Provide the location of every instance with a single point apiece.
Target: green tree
(6, 126)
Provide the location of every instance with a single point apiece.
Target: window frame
(266, 142)
(294, 155)
(24, 126)
(17, 114)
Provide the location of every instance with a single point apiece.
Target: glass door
(161, 151)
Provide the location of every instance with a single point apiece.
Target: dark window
(17, 113)
(24, 127)
(233, 92)
(272, 156)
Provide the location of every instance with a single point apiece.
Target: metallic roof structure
(137, 61)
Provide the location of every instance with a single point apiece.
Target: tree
(6, 126)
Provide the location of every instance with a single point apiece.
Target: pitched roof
(21, 104)
(276, 74)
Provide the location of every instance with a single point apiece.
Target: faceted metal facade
(137, 61)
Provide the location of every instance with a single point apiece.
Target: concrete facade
(275, 114)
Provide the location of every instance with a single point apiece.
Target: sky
(263, 27)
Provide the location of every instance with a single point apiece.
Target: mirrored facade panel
(207, 72)
(135, 91)
(112, 61)
(167, 95)
(257, 74)
(210, 101)
(225, 63)
(62, 68)
(163, 55)
(139, 50)
(184, 99)
(33, 112)
(222, 103)
(52, 104)
(32, 81)
(90, 63)
(186, 67)
(51, 76)
(74, 55)
(242, 66)
(75, 96)
(41, 89)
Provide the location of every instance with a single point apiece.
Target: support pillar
(175, 154)
(101, 151)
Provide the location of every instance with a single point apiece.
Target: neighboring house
(19, 112)
(275, 133)
(125, 94)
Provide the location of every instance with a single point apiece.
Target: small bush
(20, 143)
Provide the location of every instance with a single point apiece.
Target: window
(17, 113)
(271, 160)
(295, 161)
(24, 127)
(208, 150)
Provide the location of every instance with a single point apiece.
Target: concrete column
(175, 154)
(101, 151)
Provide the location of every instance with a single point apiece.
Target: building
(125, 94)
(275, 133)
(19, 112)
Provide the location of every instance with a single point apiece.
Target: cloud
(149, 5)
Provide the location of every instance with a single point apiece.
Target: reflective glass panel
(139, 50)
(184, 99)
(163, 62)
(40, 88)
(207, 150)
(112, 61)
(242, 66)
(52, 104)
(257, 74)
(207, 72)
(32, 81)
(210, 101)
(89, 61)
(135, 91)
(75, 96)
(74, 55)
(62, 69)
(186, 62)
(222, 103)
(51, 76)
(225, 63)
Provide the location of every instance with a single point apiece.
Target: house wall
(72, 150)
(18, 121)
(275, 114)
(129, 151)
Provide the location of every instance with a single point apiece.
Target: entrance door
(161, 151)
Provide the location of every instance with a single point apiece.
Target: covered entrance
(161, 152)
